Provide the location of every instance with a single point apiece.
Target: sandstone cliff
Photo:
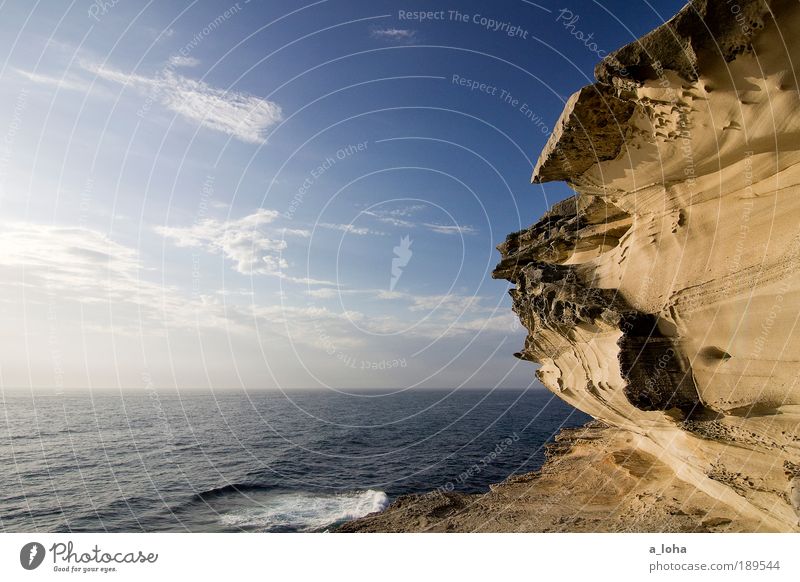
(664, 297)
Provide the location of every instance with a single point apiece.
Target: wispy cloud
(45, 270)
(445, 316)
(241, 115)
(323, 293)
(397, 222)
(77, 252)
(81, 265)
(350, 229)
(59, 266)
(402, 217)
(389, 219)
(438, 314)
(68, 83)
(180, 61)
(394, 34)
(461, 229)
(301, 232)
(254, 243)
(245, 241)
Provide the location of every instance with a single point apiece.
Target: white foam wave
(306, 511)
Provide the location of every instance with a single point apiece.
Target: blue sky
(274, 194)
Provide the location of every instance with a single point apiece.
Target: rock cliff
(664, 297)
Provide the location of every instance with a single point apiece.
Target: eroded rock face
(664, 298)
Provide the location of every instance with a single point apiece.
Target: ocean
(263, 461)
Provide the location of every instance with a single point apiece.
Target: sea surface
(262, 461)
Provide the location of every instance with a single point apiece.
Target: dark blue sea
(263, 461)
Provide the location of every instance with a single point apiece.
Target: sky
(278, 194)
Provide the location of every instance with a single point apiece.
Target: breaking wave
(305, 511)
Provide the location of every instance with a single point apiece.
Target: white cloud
(75, 252)
(394, 213)
(399, 218)
(301, 232)
(254, 243)
(307, 281)
(350, 229)
(452, 303)
(84, 266)
(245, 241)
(391, 220)
(238, 114)
(504, 323)
(81, 265)
(324, 293)
(406, 210)
(449, 229)
(334, 330)
(70, 83)
(311, 325)
(179, 61)
(46, 271)
(397, 34)
(383, 294)
(337, 290)
(436, 315)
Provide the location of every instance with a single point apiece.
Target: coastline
(595, 479)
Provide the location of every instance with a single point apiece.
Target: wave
(305, 511)
(228, 489)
